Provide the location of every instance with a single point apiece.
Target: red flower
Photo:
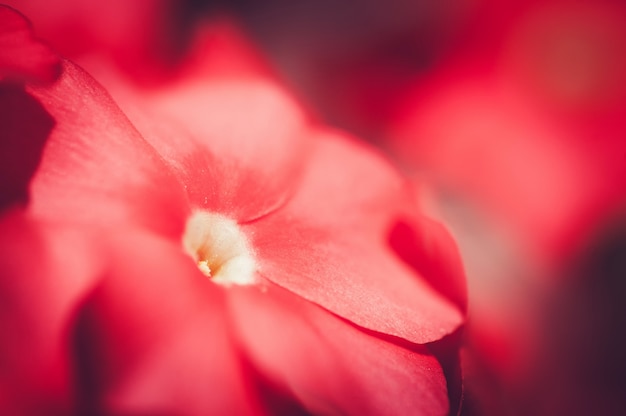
(326, 292)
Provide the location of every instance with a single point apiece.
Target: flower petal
(426, 246)
(46, 272)
(330, 245)
(22, 56)
(244, 145)
(96, 167)
(328, 364)
(152, 338)
(239, 139)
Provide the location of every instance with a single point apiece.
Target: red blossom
(334, 316)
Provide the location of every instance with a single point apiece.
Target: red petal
(329, 244)
(331, 366)
(96, 168)
(245, 144)
(245, 136)
(428, 247)
(22, 56)
(46, 272)
(153, 339)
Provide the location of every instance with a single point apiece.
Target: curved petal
(22, 56)
(426, 246)
(329, 244)
(329, 365)
(238, 139)
(243, 145)
(46, 272)
(96, 168)
(152, 339)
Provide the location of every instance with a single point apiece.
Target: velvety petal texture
(22, 55)
(96, 168)
(232, 134)
(240, 144)
(329, 244)
(332, 367)
(152, 337)
(116, 317)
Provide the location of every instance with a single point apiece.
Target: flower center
(219, 248)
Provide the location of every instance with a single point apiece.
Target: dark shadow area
(273, 398)
(585, 328)
(85, 358)
(24, 128)
(447, 352)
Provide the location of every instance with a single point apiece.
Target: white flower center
(219, 248)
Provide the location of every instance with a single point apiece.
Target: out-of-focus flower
(350, 60)
(232, 258)
(145, 38)
(523, 136)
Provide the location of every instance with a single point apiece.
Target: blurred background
(510, 119)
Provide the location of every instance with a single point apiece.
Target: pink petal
(152, 339)
(22, 56)
(245, 144)
(244, 137)
(96, 168)
(331, 366)
(46, 272)
(426, 246)
(329, 244)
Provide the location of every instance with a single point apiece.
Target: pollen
(220, 249)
